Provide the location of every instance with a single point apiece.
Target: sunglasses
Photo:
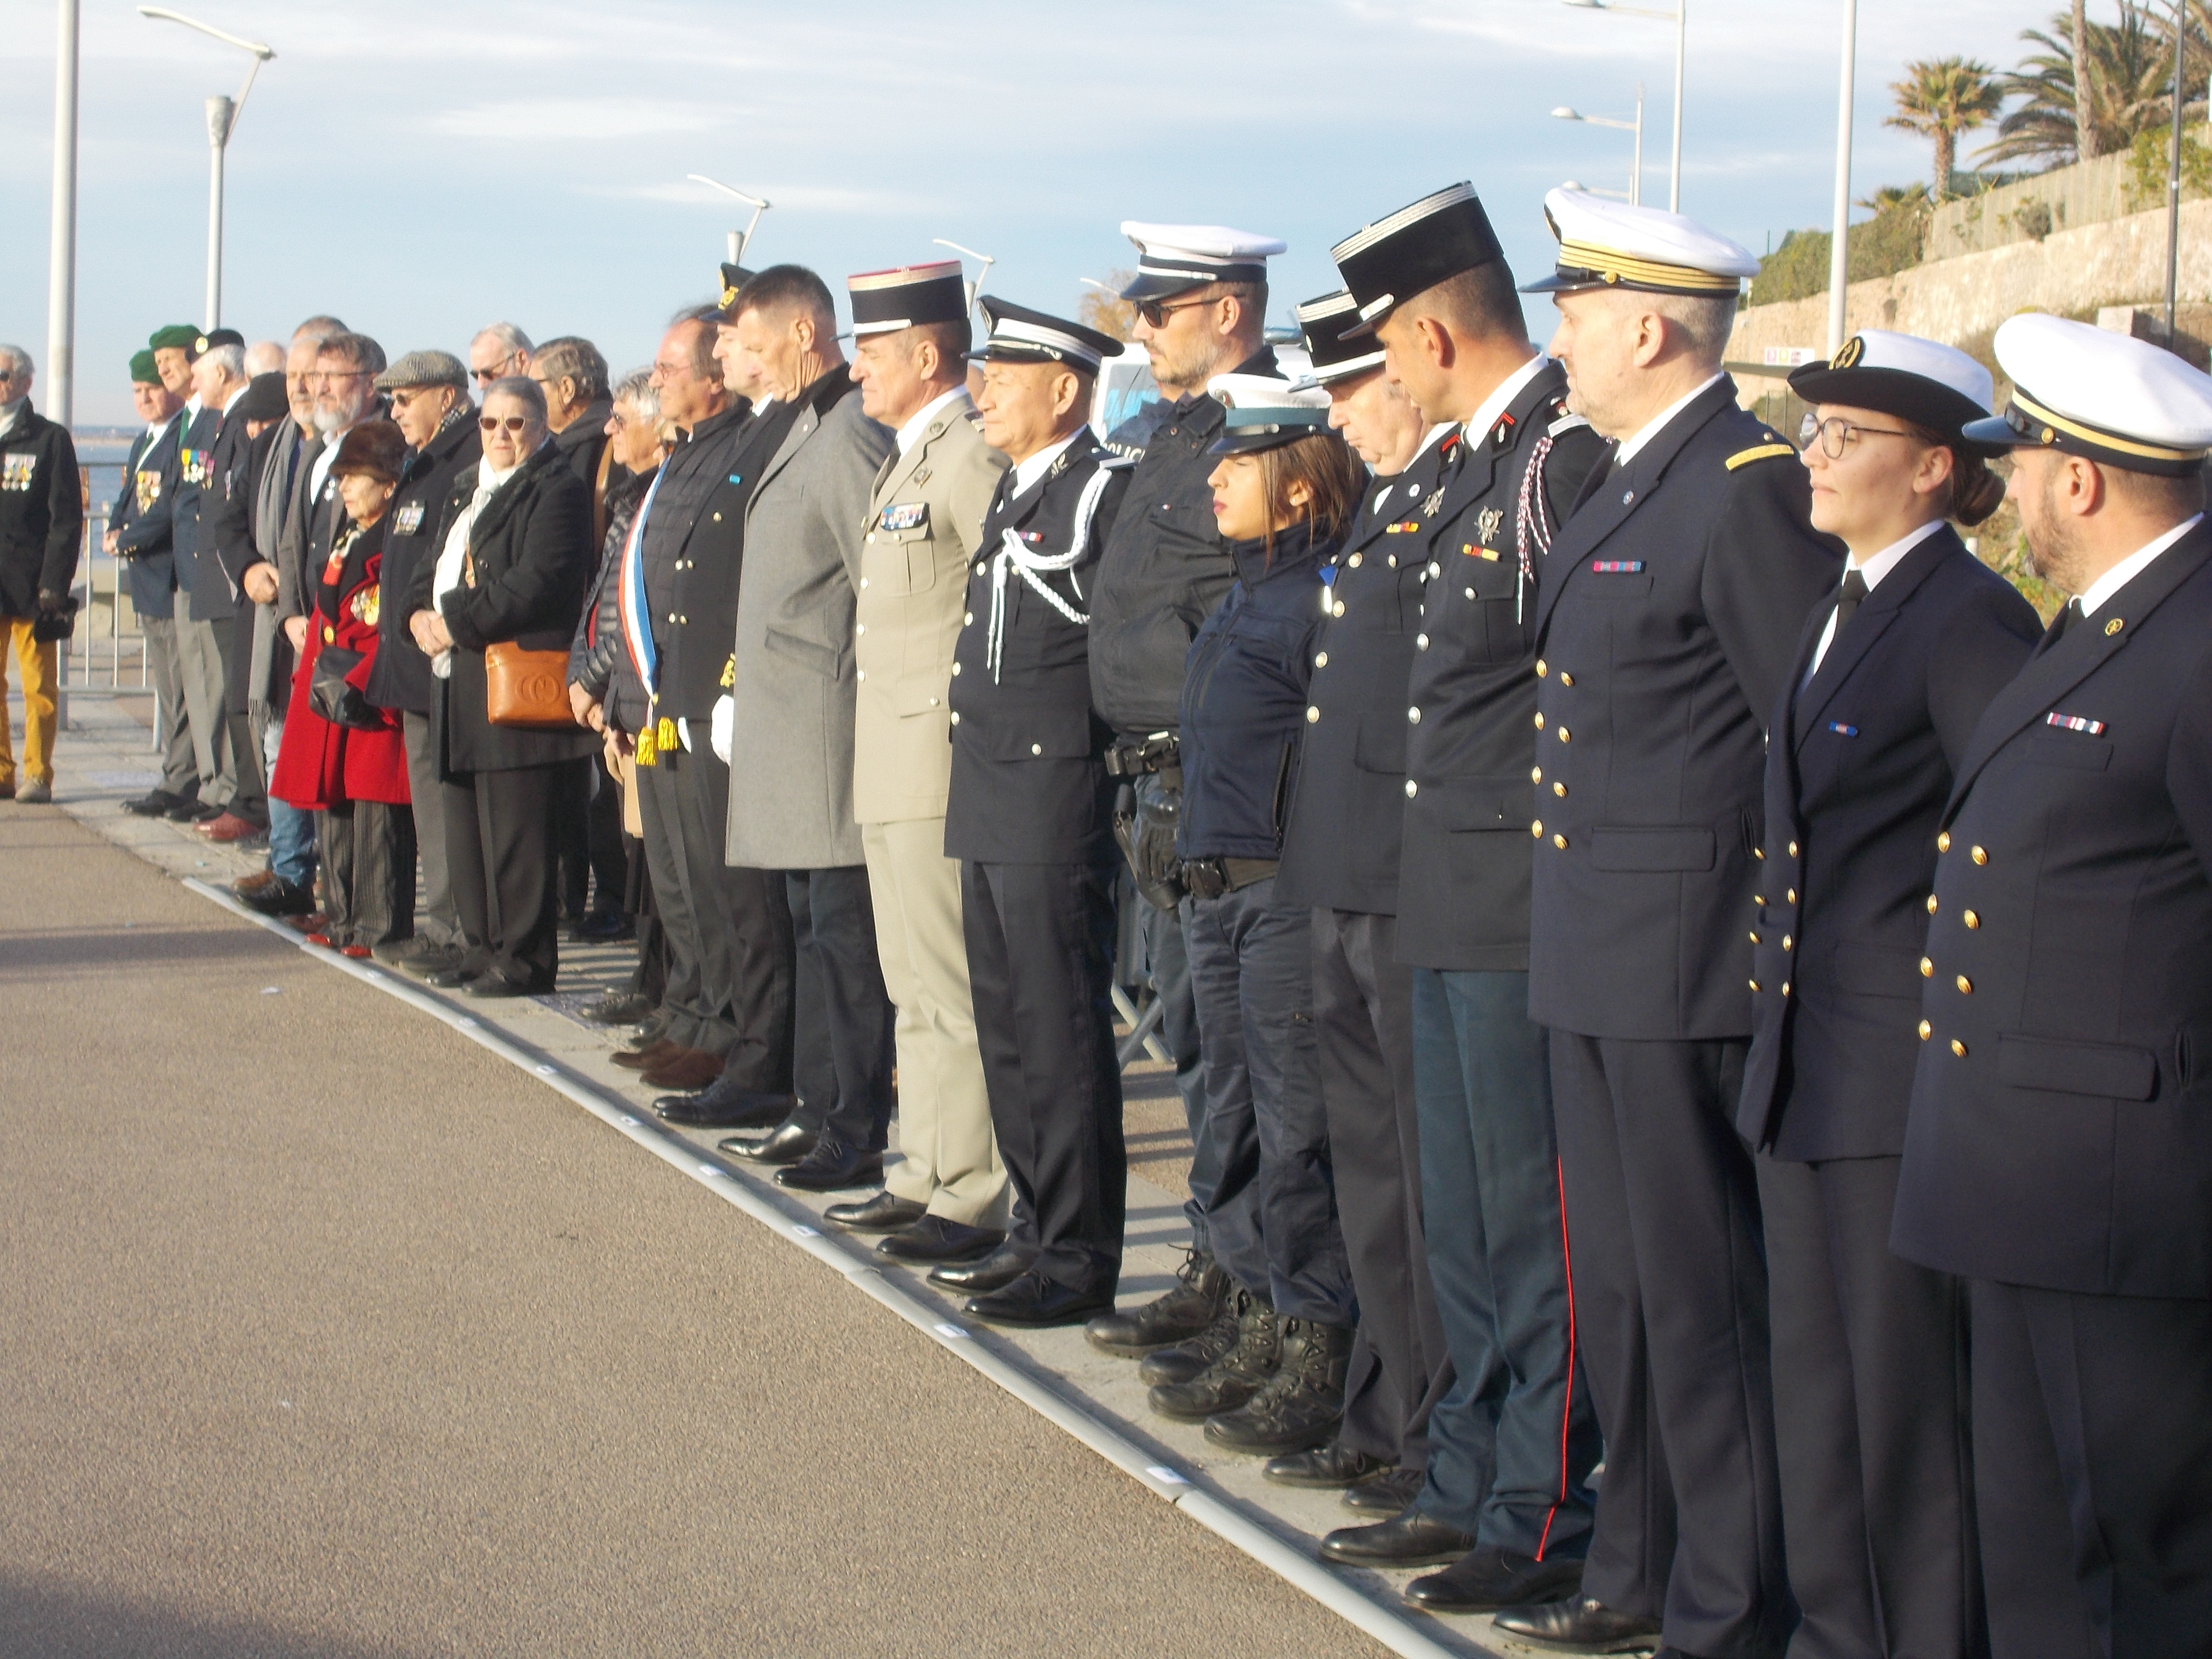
(513, 422)
(1156, 314)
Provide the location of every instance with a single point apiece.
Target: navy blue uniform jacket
(1666, 626)
(2061, 1127)
(1857, 771)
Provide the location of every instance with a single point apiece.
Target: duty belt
(1158, 753)
(1209, 878)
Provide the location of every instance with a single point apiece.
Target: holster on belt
(1145, 828)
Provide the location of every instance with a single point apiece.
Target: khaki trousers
(38, 659)
(950, 1154)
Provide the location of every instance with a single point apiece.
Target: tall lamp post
(738, 238)
(1680, 18)
(1840, 242)
(2173, 182)
(61, 260)
(222, 115)
(1568, 113)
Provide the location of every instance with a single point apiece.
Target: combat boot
(1302, 1403)
(1184, 1312)
(1187, 1359)
(1235, 1378)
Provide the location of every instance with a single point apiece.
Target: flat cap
(1619, 245)
(1176, 259)
(1020, 335)
(2109, 398)
(1933, 385)
(424, 368)
(142, 372)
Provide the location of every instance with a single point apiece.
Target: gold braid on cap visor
(2035, 413)
(1609, 266)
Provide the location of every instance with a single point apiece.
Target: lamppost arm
(261, 54)
(739, 239)
(987, 260)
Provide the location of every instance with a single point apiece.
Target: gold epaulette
(730, 672)
(1760, 452)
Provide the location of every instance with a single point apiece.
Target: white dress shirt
(1871, 571)
(1479, 423)
(2100, 593)
(1027, 472)
(910, 433)
(1626, 453)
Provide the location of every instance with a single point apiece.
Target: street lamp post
(222, 115)
(738, 238)
(1840, 242)
(2173, 182)
(987, 259)
(61, 258)
(1680, 18)
(1568, 113)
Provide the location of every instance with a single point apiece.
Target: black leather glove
(55, 616)
(1144, 817)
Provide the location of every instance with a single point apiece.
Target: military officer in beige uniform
(946, 1201)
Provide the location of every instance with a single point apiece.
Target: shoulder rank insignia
(1759, 452)
(905, 515)
(1486, 523)
(1435, 500)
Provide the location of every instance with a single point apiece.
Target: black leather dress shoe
(489, 986)
(1581, 1624)
(832, 1167)
(933, 1238)
(1328, 1469)
(784, 1144)
(722, 1105)
(1033, 1300)
(1408, 1540)
(885, 1213)
(156, 804)
(994, 1273)
(1487, 1578)
(192, 811)
(1386, 1494)
(280, 898)
(431, 960)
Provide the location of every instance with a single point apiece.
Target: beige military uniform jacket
(924, 522)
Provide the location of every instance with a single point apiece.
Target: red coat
(320, 765)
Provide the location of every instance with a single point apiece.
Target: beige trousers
(950, 1157)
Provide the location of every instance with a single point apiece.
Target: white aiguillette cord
(1033, 568)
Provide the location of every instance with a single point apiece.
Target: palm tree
(2085, 134)
(2124, 88)
(1893, 196)
(1939, 98)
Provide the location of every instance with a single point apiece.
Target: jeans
(291, 831)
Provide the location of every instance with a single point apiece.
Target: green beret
(177, 336)
(142, 369)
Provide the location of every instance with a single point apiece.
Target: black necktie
(1848, 597)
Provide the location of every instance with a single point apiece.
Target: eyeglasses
(315, 374)
(513, 422)
(486, 376)
(1835, 432)
(1156, 314)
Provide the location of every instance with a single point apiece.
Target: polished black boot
(1187, 1359)
(1184, 1312)
(1303, 1404)
(1235, 1378)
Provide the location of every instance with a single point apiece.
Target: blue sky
(420, 167)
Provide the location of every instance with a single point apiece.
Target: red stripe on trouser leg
(1567, 1409)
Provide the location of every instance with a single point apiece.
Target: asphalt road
(324, 1332)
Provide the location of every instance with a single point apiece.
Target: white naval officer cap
(2114, 399)
(1265, 412)
(1176, 259)
(1934, 386)
(1618, 245)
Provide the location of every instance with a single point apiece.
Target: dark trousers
(499, 854)
(234, 645)
(572, 835)
(843, 1052)
(2093, 1472)
(368, 852)
(610, 859)
(1871, 1426)
(1167, 967)
(1364, 1017)
(1273, 1216)
(686, 884)
(1513, 1441)
(1040, 967)
(650, 978)
(1670, 1306)
(750, 963)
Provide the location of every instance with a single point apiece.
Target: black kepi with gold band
(2108, 398)
(1341, 345)
(1265, 413)
(1619, 245)
(908, 296)
(1020, 335)
(1936, 387)
(1409, 252)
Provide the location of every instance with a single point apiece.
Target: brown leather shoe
(228, 828)
(645, 1059)
(260, 882)
(684, 1068)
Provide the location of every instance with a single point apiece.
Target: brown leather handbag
(523, 688)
